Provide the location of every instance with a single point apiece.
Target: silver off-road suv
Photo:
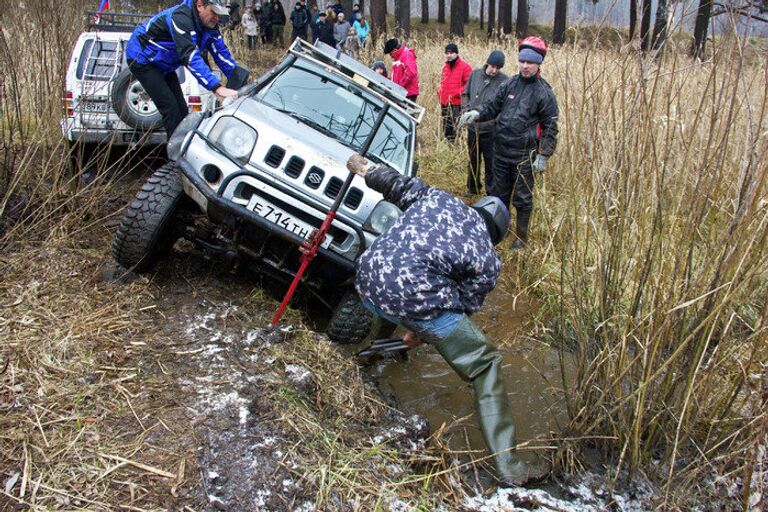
(265, 171)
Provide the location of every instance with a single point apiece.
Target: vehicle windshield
(340, 111)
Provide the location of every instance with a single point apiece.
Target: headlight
(235, 137)
(180, 133)
(382, 217)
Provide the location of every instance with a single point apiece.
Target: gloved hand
(468, 117)
(540, 164)
(358, 164)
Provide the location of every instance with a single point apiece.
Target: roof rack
(356, 70)
(113, 21)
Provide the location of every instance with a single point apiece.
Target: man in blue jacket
(177, 37)
(429, 272)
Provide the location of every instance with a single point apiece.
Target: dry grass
(649, 258)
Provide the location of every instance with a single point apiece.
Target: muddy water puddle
(424, 384)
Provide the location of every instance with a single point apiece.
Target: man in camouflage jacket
(429, 272)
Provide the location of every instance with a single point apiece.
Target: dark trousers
(299, 32)
(253, 41)
(451, 114)
(165, 91)
(513, 180)
(480, 146)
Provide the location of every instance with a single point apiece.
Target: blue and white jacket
(176, 37)
(437, 257)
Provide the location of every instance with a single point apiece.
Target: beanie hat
(528, 55)
(379, 64)
(451, 47)
(496, 58)
(390, 46)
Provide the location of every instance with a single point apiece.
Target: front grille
(314, 177)
(334, 187)
(354, 198)
(294, 167)
(274, 156)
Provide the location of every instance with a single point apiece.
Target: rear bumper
(115, 137)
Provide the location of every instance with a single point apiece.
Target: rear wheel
(351, 321)
(132, 103)
(148, 229)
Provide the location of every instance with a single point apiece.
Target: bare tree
(660, 27)
(521, 25)
(457, 18)
(466, 11)
(425, 11)
(632, 18)
(645, 26)
(403, 17)
(482, 8)
(491, 17)
(441, 11)
(379, 16)
(561, 12)
(505, 16)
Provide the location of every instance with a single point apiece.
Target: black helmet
(496, 216)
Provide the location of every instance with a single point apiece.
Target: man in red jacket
(404, 70)
(452, 82)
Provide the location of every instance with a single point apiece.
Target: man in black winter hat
(526, 112)
(483, 84)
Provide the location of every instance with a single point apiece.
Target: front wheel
(351, 322)
(147, 230)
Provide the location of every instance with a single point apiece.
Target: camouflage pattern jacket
(437, 257)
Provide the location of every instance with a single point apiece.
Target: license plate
(95, 106)
(286, 221)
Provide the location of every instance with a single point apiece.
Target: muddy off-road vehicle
(104, 104)
(265, 171)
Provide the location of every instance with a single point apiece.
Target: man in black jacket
(325, 30)
(299, 20)
(525, 110)
(483, 84)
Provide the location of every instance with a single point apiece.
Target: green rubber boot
(470, 354)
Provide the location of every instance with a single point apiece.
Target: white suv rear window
(98, 60)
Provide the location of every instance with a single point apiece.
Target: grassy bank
(649, 257)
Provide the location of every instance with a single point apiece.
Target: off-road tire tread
(148, 220)
(351, 321)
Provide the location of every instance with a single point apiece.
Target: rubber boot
(471, 356)
(521, 231)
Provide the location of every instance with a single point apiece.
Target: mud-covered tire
(351, 321)
(132, 103)
(147, 231)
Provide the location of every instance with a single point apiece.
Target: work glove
(358, 164)
(540, 164)
(469, 117)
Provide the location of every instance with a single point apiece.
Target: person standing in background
(299, 20)
(405, 72)
(277, 22)
(251, 27)
(452, 82)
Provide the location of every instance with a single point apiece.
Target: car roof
(359, 73)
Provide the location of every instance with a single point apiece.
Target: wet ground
(424, 384)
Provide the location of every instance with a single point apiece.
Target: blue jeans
(441, 326)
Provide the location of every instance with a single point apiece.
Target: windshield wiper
(312, 123)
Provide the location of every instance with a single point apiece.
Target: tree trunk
(660, 27)
(425, 11)
(491, 17)
(700, 30)
(465, 8)
(505, 17)
(632, 19)
(441, 11)
(645, 26)
(404, 17)
(379, 16)
(346, 4)
(521, 26)
(561, 12)
(397, 14)
(482, 8)
(457, 18)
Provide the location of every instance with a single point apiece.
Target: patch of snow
(278, 454)
(212, 475)
(243, 414)
(267, 441)
(261, 497)
(297, 373)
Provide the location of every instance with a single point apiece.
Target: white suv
(104, 103)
